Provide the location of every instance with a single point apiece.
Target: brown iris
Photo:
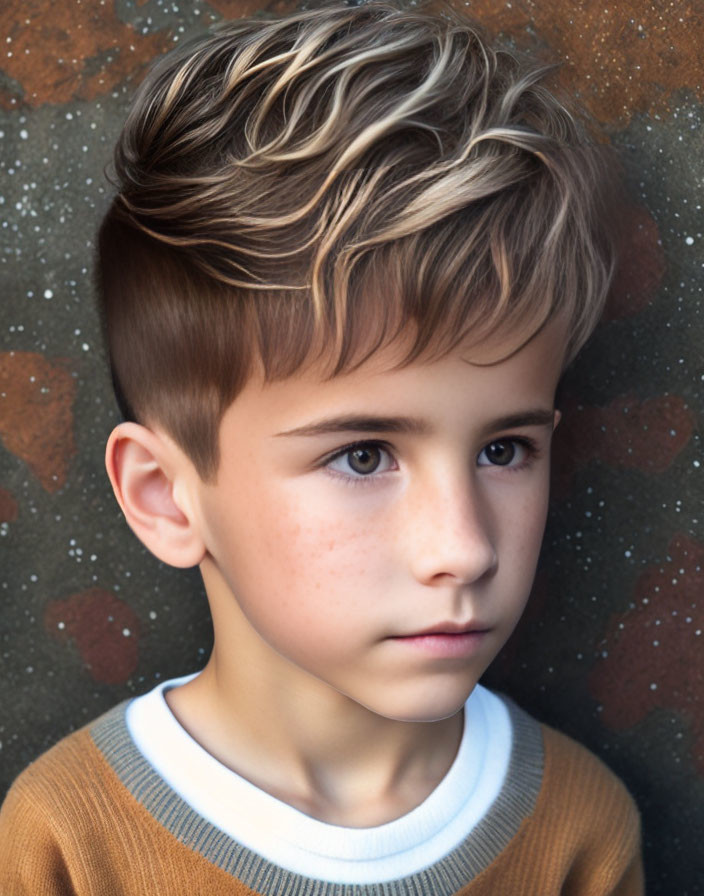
(364, 459)
(501, 452)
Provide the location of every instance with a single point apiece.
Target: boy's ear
(147, 472)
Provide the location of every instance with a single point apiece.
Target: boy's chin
(435, 707)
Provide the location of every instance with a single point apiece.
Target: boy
(351, 252)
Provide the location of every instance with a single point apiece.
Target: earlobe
(144, 471)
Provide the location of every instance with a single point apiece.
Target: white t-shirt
(293, 840)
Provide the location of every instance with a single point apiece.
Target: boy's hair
(316, 185)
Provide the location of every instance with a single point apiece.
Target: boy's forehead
(385, 382)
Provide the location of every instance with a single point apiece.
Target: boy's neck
(318, 751)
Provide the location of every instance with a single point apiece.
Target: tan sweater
(91, 818)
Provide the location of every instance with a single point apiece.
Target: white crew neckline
(304, 845)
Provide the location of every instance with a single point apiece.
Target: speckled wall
(611, 647)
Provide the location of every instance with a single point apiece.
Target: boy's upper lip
(449, 628)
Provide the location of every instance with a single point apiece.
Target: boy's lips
(446, 640)
(449, 628)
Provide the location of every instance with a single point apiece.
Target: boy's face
(376, 535)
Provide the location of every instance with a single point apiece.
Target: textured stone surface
(621, 59)
(36, 415)
(627, 434)
(55, 55)
(103, 627)
(665, 624)
(641, 265)
(8, 507)
(608, 649)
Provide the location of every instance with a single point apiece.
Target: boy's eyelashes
(512, 452)
(362, 459)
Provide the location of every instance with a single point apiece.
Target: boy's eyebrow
(361, 423)
(411, 425)
(533, 417)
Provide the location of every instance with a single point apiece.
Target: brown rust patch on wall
(235, 9)
(641, 265)
(57, 52)
(626, 435)
(36, 415)
(650, 649)
(104, 629)
(8, 506)
(622, 58)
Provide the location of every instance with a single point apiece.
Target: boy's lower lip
(450, 644)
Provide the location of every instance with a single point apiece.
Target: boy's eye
(364, 460)
(501, 453)
(361, 460)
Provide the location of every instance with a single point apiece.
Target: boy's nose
(454, 538)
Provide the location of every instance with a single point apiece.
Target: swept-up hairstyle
(315, 185)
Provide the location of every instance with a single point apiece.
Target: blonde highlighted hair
(316, 185)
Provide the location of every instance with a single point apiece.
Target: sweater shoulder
(58, 805)
(582, 798)
(572, 769)
(70, 770)
(572, 776)
(581, 835)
